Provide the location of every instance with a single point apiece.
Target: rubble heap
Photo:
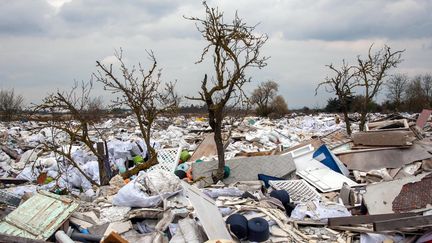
(295, 179)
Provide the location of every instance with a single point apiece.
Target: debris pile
(296, 179)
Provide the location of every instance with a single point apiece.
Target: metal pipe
(62, 237)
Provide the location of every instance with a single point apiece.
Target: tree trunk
(363, 114)
(347, 121)
(215, 122)
(220, 151)
(143, 166)
(104, 169)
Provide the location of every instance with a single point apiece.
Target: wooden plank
(12, 153)
(401, 124)
(353, 229)
(17, 239)
(384, 138)
(12, 181)
(395, 224)
(367, 219)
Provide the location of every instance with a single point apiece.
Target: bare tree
(263, 95)
(235, 48)
(426, 81)
(279, 106)
(141, 91)
(418, 93)
(396, 87)
(371, 73)
(71, 121)
(342, 84)
(10, 104)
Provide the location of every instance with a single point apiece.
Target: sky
(47, 45)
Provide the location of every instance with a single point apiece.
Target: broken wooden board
(366, 219)
(246, 169)
(38, 217)
(17, 239)
(384, 138)
(400, 124)
(207, 212)
(205, 149)
(387, 158)
(397, 224)
(380, 197)
(14, 181)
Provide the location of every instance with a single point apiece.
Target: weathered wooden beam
(12, 181)
(17, 239)
(140, 167)
(12, 153)
(395, 224)
(367, 219)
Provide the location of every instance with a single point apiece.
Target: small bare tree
(342, 84)
(396, 88)
(262, 97)
(278, 106)
(235, 48)
(70, 119)
(141, 91)
(371, 74)
(10, 104)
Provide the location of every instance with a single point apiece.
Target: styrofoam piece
(299, 190)
(325, 179)
(168, 159)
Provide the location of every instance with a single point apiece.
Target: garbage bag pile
(294, 179)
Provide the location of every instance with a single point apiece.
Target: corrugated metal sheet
(38, 217)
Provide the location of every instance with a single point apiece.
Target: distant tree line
(403, 94)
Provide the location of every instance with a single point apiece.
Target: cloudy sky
(47, 44)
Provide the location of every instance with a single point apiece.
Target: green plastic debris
(48, 180)
(227, 171)
(251, 122)
(199, 161)
(138, 159)
(185, 155)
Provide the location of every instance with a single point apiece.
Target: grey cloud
(48, 48)
(29, 17)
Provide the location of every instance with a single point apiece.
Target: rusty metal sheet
(38, 217)
(416, 195)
